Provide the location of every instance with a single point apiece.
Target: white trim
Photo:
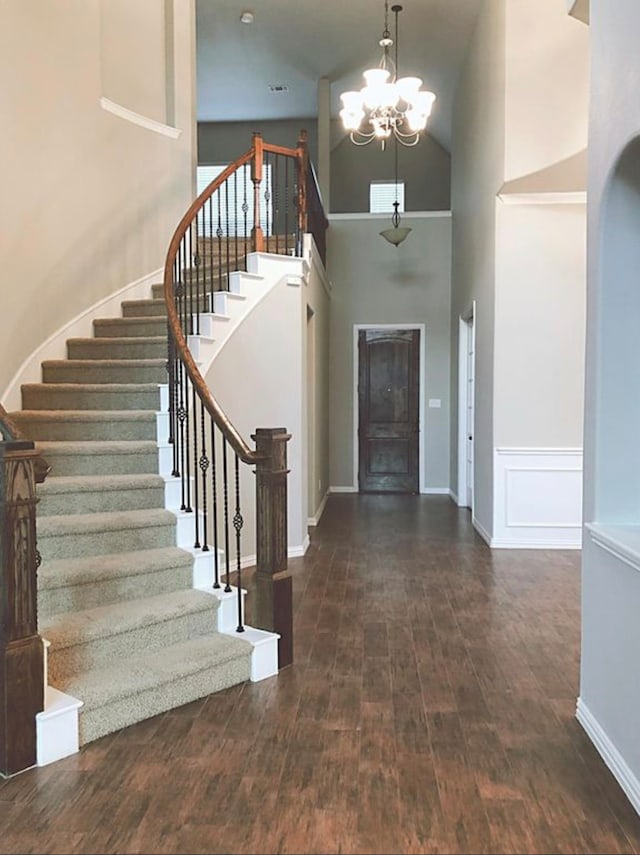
(537, 498)
(466, 329)
(545, 452)
(422, 379)
(577, 197)
(435, 491)
(299, 551)
(138, 119)
(614, 761)
(453, 497)
(311, 252)
(408, 215)
(314, 520)
(55, 347)
(484, 534)
(343, 489)
(623, 542)
(292, 552)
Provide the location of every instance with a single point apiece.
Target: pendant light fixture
(397, 233)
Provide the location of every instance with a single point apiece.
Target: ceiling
(293, 43)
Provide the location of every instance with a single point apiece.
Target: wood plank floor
(430, 709)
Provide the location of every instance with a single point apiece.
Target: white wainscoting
(537, 498)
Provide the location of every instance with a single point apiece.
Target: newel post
(257, 236)
(303, 172)
(21, 649)
(272, 591)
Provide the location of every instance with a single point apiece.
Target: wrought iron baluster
(204, 466)
(225, 476)
(196, 486)
(237, 524)
(216, 553)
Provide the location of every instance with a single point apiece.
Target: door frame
(466, 330)
(421, 395)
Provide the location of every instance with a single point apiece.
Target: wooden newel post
(272, 591)
(21, 649)
(257, 236)
(303, 172)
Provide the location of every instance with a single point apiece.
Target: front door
(388, 389)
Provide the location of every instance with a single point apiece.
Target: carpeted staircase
(129, 634)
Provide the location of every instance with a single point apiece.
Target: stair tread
(97, 446)
(62, 524)
(101, 686)
(130, 321)
(119, 339)
(91, 483)
(93, 387)
(85, 415)
(151, 362)
(62, 572)
(67, 629)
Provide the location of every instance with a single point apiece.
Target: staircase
(129, 635)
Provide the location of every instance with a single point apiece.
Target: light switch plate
(435, 403)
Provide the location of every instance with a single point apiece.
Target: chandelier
(388, 104)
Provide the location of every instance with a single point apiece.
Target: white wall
(89, 200)
(259, 377)
(547, 85)
(609, 689)
(540, 325)
(477, 175)
(521, 110)
(377, 283)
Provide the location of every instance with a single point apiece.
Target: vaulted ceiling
(269, 68)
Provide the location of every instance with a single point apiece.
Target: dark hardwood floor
(431, 708)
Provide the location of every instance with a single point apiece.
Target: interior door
(471, 367)
(388, 429)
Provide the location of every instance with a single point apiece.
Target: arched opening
(617, 475)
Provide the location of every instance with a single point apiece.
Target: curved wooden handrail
(242, 449)
(253, 156)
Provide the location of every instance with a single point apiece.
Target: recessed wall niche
(617, 481)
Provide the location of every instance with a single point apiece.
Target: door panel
(388, 390)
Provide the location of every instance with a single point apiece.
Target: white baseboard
(614, 761)
(57, 734)
(537, 498)
(55, 347)
(343, 489)
(454, 498)
(484, 534)
(314, 520)
(292, 552)
(435, 491)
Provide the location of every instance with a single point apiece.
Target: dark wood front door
(388, 389)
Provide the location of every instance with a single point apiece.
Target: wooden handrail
(10, 431)
(254, 156)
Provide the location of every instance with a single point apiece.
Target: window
(382, 195)
(226, 211)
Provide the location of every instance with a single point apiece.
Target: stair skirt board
(110, 531)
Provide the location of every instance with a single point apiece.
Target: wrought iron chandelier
(390, 105)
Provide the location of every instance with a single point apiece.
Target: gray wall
(377, 283)
(477, 175)
(424, 168)
(609, 688)
(223, 142)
